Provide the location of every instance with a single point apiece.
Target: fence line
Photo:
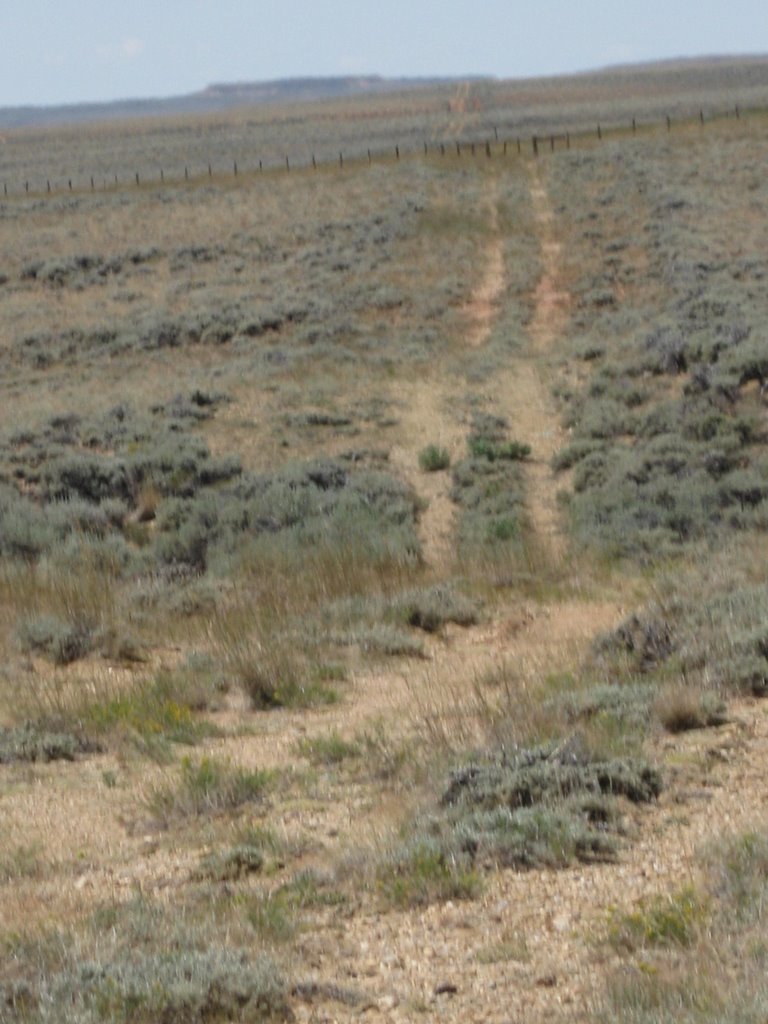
(495, 147)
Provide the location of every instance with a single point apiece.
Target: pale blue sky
(65, 51)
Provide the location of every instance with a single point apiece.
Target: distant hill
(695, 76)
(220, 97)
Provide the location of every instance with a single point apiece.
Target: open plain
(383, 594)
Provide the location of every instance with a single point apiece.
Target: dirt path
(425, 417)
(550, 300)
(523, 394)
(427, 409)
(484, 304)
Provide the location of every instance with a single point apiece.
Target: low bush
(673, 920)
(37, 744)
(710, 632)
(380, 640)
(207, 787)
(233, 864)
(423, 872)
(544, 806)
(681, 708)
(490, 496)
(541, 775)
(61, 642)
(430, 608)
(329, 750)
(190, 985)
(698, 955)
(152, 713)
(433, 458)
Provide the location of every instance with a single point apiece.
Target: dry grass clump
(207, 786)
(697, 955)
(330, 750)
(680, 708)
(69, 714)
(434, 458)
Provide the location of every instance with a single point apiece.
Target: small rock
(547, 981)
(446, 988)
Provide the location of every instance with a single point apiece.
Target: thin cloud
(131, 47)
(59, 59)
(353, 64)
(123, 52)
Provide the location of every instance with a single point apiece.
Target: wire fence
(485, 141)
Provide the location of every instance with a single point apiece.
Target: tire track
(524, 397)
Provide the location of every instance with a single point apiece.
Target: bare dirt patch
(483, 307)
(425, 417)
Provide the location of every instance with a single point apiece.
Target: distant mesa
(220, 96)
(748, 74)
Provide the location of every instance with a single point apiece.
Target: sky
(72, 51)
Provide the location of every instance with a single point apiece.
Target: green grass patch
(673, 920)
(208, 786)
(329, 750)
(422, 872)
(433, 458)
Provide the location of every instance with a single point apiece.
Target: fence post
(701, 116)
(186, 174)
(369, 156)
(314, 162)
(442, 149)
(519, 146)
(488, 150)
(535, 146)
(210, 172)
(235, 168)
(137, 177)
(397, 152)
(599, 132)
(669, 123)
(70, 184)
(49, 185)
(425, 149)
(261, 166)
(287, 164)
(458, 149)
(473, 149)
(26, 187)
(162, 176)
(736, 111)
(567, 140)
(552, 143)
(634, 126)
(5, 189)
(505, 147)
(341, 159)
(92, 186)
